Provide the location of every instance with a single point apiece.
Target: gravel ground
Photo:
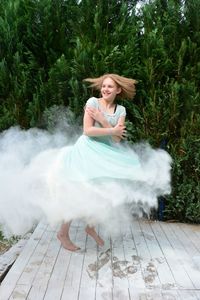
(4, 246)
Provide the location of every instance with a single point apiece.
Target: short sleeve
(122, 111)
(92, 102)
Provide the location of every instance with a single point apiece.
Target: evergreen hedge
(47, 47)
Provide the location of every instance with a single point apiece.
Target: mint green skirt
(95, 177)
(91, 159)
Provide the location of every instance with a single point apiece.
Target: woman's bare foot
(91, 231)
(66, 243)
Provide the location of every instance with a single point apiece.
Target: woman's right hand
(120, 131)
(95, 114)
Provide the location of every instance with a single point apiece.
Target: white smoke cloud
(18, 150)
(35, 184)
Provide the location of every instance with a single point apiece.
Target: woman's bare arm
(92, 114)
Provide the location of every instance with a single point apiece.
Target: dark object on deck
(158, 214)
(161, 199)
(161, 208)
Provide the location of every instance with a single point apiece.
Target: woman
(109, 173)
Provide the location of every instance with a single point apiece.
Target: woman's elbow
(86, 131)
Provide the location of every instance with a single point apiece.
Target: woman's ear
(119, 89)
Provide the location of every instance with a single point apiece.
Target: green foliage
(184, 200)
(47, 47)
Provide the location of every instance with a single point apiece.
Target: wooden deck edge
(8, 258)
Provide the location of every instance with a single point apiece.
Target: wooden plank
(183, 258)
(89, 272)
(190, 248)
(73, 278)
(137, 294)
(104, 294)
(36, 259)
(180, 275)
(20, 292)
(155, 294)
(9, 257)
(158, 263)
(104, 287)
(120, 293)
(9, 282)
(134, 271)
(42, 277)
(192, 234)
(184, 239)
(57, 280)
(171, 295)
(150, 275)
(197, 294)
(32, 266)
(188, 295)
(135, 275)
(120, 269)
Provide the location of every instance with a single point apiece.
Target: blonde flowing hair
(127, 85)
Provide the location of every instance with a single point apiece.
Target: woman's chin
(108, 98)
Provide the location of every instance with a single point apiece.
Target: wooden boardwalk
(148, 260)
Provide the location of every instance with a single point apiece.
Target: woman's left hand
(95, 114)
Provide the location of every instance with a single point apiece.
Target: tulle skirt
(93, 178)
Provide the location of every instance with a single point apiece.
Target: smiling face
(109, 89)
